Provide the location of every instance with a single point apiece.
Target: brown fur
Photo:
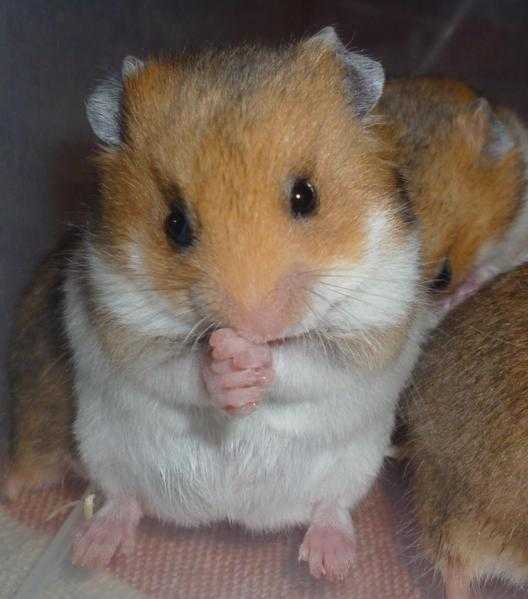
(41, 440)
(468, 435)
(225, 133)
(229, 154)
(462, 197)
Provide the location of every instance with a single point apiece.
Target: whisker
(367, 337)
(351, 294)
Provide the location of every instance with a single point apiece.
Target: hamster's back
(467, 417)
(41, 442)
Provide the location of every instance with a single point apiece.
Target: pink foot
(110, 531)
(457, 586)
(328, 550)
(236, 372)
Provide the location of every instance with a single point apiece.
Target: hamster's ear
(365, 76)
(485, 131)
(104, 106)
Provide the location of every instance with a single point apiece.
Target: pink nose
(263, 323)
(266, 314)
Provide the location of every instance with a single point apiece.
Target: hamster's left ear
(104, 105)
(485, 131)
(365, 76)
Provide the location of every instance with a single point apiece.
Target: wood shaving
(89, 506)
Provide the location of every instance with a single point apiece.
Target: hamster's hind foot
(32, 476)
(111, 531)
(329, 551)
(457, 586)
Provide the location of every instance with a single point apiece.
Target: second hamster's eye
(178, 227)
(303, 198)
(443, 278)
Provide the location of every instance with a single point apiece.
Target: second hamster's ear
(104, 106)
(485, 131)
(366, 77)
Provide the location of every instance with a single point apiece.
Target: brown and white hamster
(250, 250)
(465, 169)
(467, 421)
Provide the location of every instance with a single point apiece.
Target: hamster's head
(484, 190)
(464, 173)
(246, 188)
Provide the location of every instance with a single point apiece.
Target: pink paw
(477, 279)
(460, 294)
(236, 371)
(329, 551)
(110, 531)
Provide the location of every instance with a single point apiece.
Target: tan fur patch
(41, 386)
(467, 423)
(462, 198)
(228, 146)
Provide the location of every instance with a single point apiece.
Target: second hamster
(467, 421)
(464, 165)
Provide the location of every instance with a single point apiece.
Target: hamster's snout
(263, 313)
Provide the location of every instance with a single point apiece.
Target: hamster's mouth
(272, 341)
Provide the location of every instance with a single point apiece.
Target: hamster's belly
(208, 484)
(246, 476)
(190, 466)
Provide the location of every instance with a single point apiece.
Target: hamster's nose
(267, 316)
(262, 323)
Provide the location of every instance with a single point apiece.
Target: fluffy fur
(467, 423)
(334, 296)
(464, 167)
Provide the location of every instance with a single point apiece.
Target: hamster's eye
(303, 198)
(178, 227)
(443, 278)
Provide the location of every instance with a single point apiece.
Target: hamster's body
(42, 446)
(465, 170)
(190, 465)
(467, 419)
(244, 193)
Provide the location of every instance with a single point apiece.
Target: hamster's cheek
(151, 301)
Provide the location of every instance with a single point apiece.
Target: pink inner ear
(475, 124)
(484, 131)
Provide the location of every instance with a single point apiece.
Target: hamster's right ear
(365, 76)
(104, 105)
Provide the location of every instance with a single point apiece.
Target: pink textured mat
(228, 563)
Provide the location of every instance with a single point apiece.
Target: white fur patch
(133, 299)
(319, 437)
(511, 250)
(377, 291)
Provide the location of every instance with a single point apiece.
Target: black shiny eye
(443, 278)
(303, 198)
(178, 227)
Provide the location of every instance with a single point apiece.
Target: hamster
(464, 165)
(244, 307)
(41, 445)
(467, 423)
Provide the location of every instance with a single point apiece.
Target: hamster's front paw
(236, 371)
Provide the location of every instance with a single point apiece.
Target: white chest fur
(151, 433)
